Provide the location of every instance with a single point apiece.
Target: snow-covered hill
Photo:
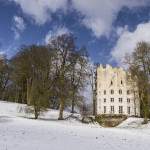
(47, 133)
(18, 110)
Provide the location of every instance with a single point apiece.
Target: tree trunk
(36, 114)
(135, 103)
(145, 115)
(61, 109)
(73, 103)
(94, 103)
(145, 108)
(94, 107)
(28, 91)
(72, 108)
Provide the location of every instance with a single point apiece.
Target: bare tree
(78, 74)
(32, 74)
(92, 70)
(63, 46)
(139, 67)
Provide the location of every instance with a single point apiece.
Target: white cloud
(41, 10)
(19, 22)
(128, 40)
(18, 26)
(100, 14)
(57, 31)
(120, 30)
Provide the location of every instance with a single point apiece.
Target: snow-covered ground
(19, 133)
(134, 123)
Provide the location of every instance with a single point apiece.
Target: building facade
(115, 92)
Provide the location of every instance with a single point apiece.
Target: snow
(134, 123)
(47, 133)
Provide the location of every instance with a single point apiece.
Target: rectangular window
(112, 99)
(128, 92)
(128, 100)
(128, 109)
(112, 91)
(104, 92)
(112, 109)
(120, 91)
(120, 100)
(111, 83)
(104, 100)
(121, 82)
(104, 109)
(120, 109)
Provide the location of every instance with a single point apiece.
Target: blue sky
(109, 29)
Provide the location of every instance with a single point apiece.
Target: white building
(115, 94)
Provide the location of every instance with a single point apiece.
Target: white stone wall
(115, 79)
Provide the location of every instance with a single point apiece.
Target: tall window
(128, 100)
(120, 91)
(104, 100)
(104, 109)
(112, 99)
(128, 109)
(112, 109)
(111, 83)
(128, 92)
(120, 100)
(104, 92)
(120, 109)
(112, 91)
(121, 82)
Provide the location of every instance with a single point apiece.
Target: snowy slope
(18, 133)
(11, 109)
(18, 110)
(134, 123)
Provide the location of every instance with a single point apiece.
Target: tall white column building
(115, 92)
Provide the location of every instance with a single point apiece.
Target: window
(104, 92)
(104, 109)
(120, 91)
(112, 109)
(112, 99)
(128, 100)
(128, 92)
(120, 100)
(112, 91)
(111, 83)
(104, 100)
(120, 109)
(128, 109)
(121, 82)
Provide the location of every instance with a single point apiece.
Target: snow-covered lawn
(18, 133)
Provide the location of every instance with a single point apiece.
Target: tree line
(46, 76)
(54, 76)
